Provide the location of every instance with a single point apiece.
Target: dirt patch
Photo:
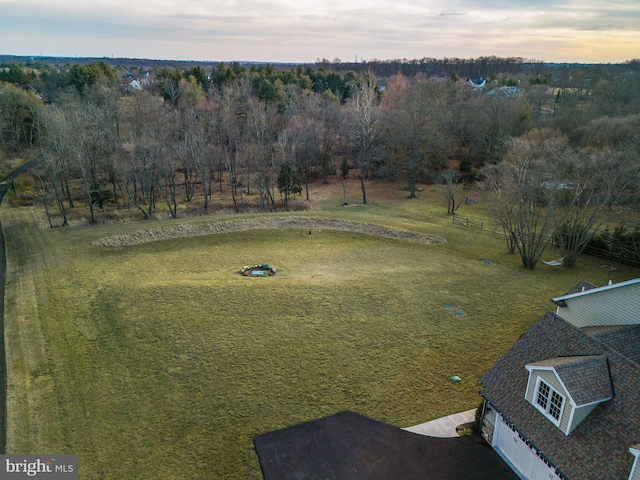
(270, 223)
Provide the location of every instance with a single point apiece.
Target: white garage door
(522, 457)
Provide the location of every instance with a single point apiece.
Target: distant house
(134, 85)
(477, 83)
(564, 402)
(505, 92)
(129, 82)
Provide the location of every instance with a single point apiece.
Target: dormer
(566, 389)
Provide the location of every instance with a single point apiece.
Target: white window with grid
(548, 401)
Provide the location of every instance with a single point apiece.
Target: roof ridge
(581, 359)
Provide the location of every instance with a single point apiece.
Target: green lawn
(160, 361)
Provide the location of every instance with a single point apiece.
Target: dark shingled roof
(623, 339)
(586, 378)
(583, 286)
(599, 446)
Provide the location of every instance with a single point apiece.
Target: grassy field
(159, 360)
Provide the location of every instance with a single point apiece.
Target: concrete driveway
(444, 427)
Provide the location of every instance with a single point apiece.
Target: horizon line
(316, 62)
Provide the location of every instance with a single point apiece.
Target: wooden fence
(617, 257)
(467, 222)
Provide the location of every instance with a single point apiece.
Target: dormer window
(549, 401)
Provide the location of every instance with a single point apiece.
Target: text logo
(45, 467)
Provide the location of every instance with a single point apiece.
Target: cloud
(302, 30)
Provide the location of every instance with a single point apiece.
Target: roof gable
(581, 287)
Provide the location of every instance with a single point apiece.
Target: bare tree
(51, 173)
(147, 147)
(192, 145)
(90, 135)
(364, 128)
(496, 120)
(102, 140)
(343, 173)
(231, 123)
(526, 188)
(201, 142)
(180, 147)
(328, 126)
(599, 190)
(261, 133)
(43, 194)
(288, 144)
(56, 153)
(454, 190)
(305, 127)
(499, 183)
(416, 125)
(77, 123)
(168, 184)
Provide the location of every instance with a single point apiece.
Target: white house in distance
(564, 402)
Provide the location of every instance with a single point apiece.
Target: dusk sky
(600, 31)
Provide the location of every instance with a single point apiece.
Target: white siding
(615, 306)
(635, 470)
(579, 414)
(550, 378)
(490, 417)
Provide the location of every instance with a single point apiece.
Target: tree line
(559, 154)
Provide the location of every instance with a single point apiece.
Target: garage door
(522, 457)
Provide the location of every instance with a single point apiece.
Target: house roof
(599, 446)
(477, 83)
(583, 286)
(586, 378)
(589, 291)
(624, 339)
(505, 92)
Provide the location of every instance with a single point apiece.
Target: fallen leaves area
(269, 223)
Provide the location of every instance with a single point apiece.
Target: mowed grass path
(160, 361)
